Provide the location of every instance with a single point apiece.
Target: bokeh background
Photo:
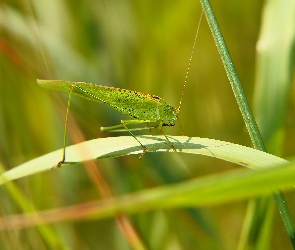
(144, 46)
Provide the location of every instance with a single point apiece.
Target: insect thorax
(170, 113)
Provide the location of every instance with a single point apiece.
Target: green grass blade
(208, 190)
(274, 71)
(125, 145)
(48, 234)
(245, 109)
(233, 77)
(272, 87)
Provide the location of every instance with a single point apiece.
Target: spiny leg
(150, 128)
(143, 147)
(124, 124)
(162, 132)
(182, 133)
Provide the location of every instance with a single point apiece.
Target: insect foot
(143, 147)
(161, 131)
(143, 152)
(58, 165)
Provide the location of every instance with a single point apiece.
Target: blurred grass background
(143, 46)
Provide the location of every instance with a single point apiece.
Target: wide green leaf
(125, 145)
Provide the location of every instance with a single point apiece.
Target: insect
(143, 108)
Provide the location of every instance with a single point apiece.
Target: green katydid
(144, 108)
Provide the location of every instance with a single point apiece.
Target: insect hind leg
(63, 160)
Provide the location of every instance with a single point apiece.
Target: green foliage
(122, 146)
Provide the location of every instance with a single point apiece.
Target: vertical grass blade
(274, 71)
(245, 108)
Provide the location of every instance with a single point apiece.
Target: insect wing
(135, 104)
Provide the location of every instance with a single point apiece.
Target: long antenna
(190, 62)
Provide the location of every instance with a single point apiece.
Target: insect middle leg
(150, 128)
(123, 122)
(159, 126)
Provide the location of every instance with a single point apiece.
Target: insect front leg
(162, 124)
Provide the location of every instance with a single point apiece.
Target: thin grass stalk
(245, 110)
